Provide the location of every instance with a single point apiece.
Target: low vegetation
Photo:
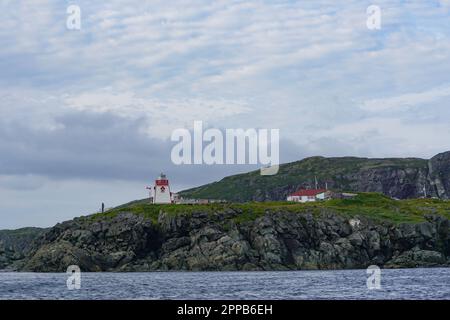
(371, 205)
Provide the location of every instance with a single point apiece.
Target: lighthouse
(161, 190)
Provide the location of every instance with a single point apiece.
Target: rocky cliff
(227, 237)
(395, 177)
(15, 245)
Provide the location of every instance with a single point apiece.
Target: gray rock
(274, 241)
(417, 258)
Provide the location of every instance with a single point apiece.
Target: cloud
(407, 100)
(87, 110)
(84, 145)
(398, 137)
(166, 115)
(91, 145)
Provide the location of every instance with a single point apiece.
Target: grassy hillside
(340, 174)
(370, 205)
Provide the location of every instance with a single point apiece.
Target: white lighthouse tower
(161, 190)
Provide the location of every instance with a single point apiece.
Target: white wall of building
(162, 194)
(303, 199)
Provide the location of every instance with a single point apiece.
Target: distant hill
(401, 178)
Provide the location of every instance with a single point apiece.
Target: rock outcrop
(218, 241)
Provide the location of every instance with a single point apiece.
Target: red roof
(162, 182)
(308, 192)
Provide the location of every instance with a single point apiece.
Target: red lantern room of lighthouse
(161, 190)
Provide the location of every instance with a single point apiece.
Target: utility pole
(103, 207)
(317, 184)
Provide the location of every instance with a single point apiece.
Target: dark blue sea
(343, 284)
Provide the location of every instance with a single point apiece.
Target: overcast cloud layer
(86, 115)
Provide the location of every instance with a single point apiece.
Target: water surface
(342, 284)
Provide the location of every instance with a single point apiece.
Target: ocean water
(342, 284)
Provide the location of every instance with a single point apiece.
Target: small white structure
(308, 195)
(161, 190)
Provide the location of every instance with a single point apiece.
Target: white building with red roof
(308, 195)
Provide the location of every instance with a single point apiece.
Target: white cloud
(163, 115)
(407, 100)
(389, 137)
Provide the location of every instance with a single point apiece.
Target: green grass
(380, 207)
(371, 205)
(152, 211)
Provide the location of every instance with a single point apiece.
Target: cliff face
(439, 175)
(213, 241)
(399, 178)
(15, 245)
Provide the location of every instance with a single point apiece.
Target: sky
(86, 115)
